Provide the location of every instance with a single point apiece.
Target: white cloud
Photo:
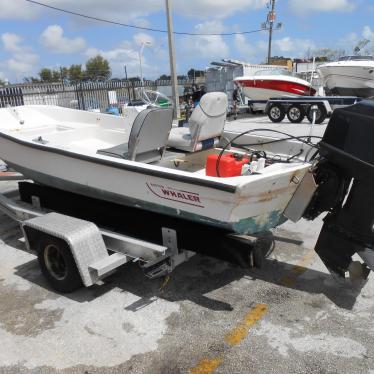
(350, 41)
(30, 57)
(19, 67)
(205, 46)
(130, 11)
(292, 47)
(3, 77)
(368, 33)
(11, 42)
(216, 8)
(142, 38)
(245, 49)
(125, 55)
(133, 11)
(305, 6)
(22, 59)
(12, 9)
(119, 57)
(54, 40)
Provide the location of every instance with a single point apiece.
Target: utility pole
(173, 72)
(62, 78)
(270, 21)
(125, 72)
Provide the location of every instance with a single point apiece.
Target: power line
(139, 27)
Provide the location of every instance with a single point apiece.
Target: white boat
(350, 76)
(148, 165)
(266, 84)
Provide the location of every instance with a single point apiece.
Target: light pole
(173, 71)
(143, 44)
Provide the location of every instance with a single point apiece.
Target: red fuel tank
(230, 165)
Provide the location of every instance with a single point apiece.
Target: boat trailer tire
(295, 113)
(320, 115)
(276, 113)
(58, 265)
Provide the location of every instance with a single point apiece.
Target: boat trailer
(75, 248)
(72, 251)
(315, 108)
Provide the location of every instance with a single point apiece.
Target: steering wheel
(155, 99)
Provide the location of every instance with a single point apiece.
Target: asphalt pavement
(210, 316)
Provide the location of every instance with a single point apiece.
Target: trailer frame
(297, 108)
(96, 251)
(91, 251)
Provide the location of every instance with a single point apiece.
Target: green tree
(64, 71)
(49, 75)
(97, 68)
(329, 54)
(56, 76)
(45, 75)
(192, 73)
(134, 79)
(164, 77)
(75, 73)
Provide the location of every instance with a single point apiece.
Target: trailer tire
(295, 113)
(58, 265)
(276, 113)
(320, 116)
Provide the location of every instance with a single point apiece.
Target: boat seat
(148, 137)
(205, 126)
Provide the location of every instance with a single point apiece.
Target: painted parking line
(242, 329)
(206, 366)
(234, 337)
(298, 269)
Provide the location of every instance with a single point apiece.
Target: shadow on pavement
(200, 276)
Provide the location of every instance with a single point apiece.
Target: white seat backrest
(207, 121)
(149, 134)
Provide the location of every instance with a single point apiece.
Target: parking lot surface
(210, 316)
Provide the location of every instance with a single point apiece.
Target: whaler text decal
(170, 193)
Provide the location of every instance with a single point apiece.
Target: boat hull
(348, 80)
(246, 209)
(264, 89)
(256, 93)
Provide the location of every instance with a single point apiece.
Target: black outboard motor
(345, 179)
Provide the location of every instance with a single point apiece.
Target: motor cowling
(345, 179)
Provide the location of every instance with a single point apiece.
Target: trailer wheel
(276, 113)
(320, 115)
(58, 265)
(295, 113)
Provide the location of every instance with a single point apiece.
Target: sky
(34, 37)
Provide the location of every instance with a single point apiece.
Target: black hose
(289, 136)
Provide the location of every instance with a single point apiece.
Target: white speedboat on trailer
(150, 165)
(349, 76)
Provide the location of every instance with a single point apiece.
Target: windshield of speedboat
(356, 58)
(273, 72)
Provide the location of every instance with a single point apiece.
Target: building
(282, 61)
